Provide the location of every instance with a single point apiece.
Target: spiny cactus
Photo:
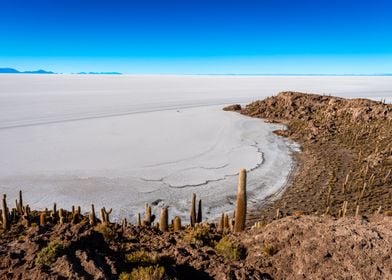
(147, 218)
(357, 211)
(344, 208)
(26, 215)
(62, 217)
(177, 223)
(278, 214)
(42, 219)
(124, 223)
(199, 213)
(193, 210)
(164, 220)
(92, 218)
(53, 215)
(5, 214)
(240, 213)
(79, 211)
(20, 203)
(221, 223)
(105, 215)
(139, 220)
(226, 222)
(14, 216)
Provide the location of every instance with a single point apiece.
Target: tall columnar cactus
(91, 216)
(5, 214)
(124, 224)
(221, 224)
(53, 215)
(79, 211)
(105, 215)
(226, 222)
(199, 213)
(177, 223)
(147, 218)
(240, 213)
(193, 210)
(20, 203)
(26, 215)
(42, 219)
(164, 220)
(139, 220)
(62, 217)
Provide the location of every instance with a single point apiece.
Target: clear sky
(198, 36)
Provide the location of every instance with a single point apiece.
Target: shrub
(108, 233)
(269, 249)
(50, 253)
(199, 235)
(144, 273)
(229, 249)
(142, 258)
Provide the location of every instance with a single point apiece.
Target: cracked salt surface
(128, 140)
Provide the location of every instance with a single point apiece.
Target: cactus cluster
(61, 216)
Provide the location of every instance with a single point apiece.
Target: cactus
(139, 220)
(226, 223)
(42, 217)
(177, 223)
(240, 213)
(13, 216)
(199, 213)
(193, 210)
(53, 215)
(62, 216)
(147, 217)
(344, 208)
(92, 218)
(357, 211)
(5, 214)
(278, 214)
(105, 215)
(124, 223)
(221, 224)
(79, 211)
(20, 203)
(26, 215)
(164, 220)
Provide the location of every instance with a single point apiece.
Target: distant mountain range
(99, 73)
(14, 71)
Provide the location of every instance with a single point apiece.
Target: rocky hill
(346, 159)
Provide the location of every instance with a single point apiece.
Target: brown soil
(346, 153)
(296, 247)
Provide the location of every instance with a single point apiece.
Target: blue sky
(198, 37)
